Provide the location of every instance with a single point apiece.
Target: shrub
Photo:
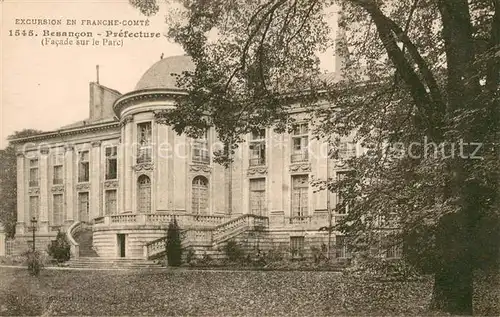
(60, 248)
(174, 248)
(233, 251)
(34, 260)
(190, 255)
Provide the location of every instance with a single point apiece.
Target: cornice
(67, 132)
(143, 167)
(200, 168)
(300, 168)
(257, 170)
(146, 94)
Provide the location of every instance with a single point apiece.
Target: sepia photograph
(250, 158)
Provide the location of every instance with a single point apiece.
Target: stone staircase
(208, 241)
(106, 263)
(84, 238)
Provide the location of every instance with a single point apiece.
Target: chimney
(341, 51)
(97, 73)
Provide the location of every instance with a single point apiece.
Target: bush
(233, 251)
(34, 260)
(174, 247)
(190, 255)
(60, 249)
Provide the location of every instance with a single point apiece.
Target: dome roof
(162, 74)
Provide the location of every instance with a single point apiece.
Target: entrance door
(121, 245)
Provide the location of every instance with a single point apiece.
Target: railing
(300, 219)
(33, 183)
(210, 236)
(202, 159)
(184, 220)
(257, 161)
(57, 181)
(74, 246)
(299, 157)
(123, 218)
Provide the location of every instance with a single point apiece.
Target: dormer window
(144, 149)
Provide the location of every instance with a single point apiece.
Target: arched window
(200, 195)
(143, 194)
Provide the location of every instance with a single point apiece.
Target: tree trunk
(453, 289)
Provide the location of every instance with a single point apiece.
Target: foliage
(233, 251)
(190, 255)
(422, 72)
(60, 249)
(35, 262)
(173, 245)
(8, 183)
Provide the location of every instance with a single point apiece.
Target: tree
(60, 248)
(8, 183)
(174, 247)
(416, 72)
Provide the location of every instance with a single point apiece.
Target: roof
(162, 75)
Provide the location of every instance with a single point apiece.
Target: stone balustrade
(210, 236)
(183, 220)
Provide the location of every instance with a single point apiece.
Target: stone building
(114, 181)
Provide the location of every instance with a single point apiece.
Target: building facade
(123, 177)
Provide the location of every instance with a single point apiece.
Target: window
(300, 188)
(144, 194)
(200, 195)
(57, 209)
(57, 172)
(342, 247)
(300, 142)
(342, 149)
(111, 163)
(144, 151)
(110, 202)
(297, 246)
(83, 166)
(258, 196)
(347, 149)
(257, 147)
(83, 206)
(342, 207)
(33, 177)
(200, 149)
(392, 247)
(34, 205)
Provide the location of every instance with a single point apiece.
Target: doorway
(121, 238)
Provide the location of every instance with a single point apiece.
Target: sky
(46, 87)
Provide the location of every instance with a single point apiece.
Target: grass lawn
(214, 293)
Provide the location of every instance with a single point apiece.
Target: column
(21, 183)
(43, 220)
(69, 183)
(95, 180)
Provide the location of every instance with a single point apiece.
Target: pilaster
(95, 183)
(69, 183)
(321, 171)
(44, 194)
(130, 150)
(21, 183)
